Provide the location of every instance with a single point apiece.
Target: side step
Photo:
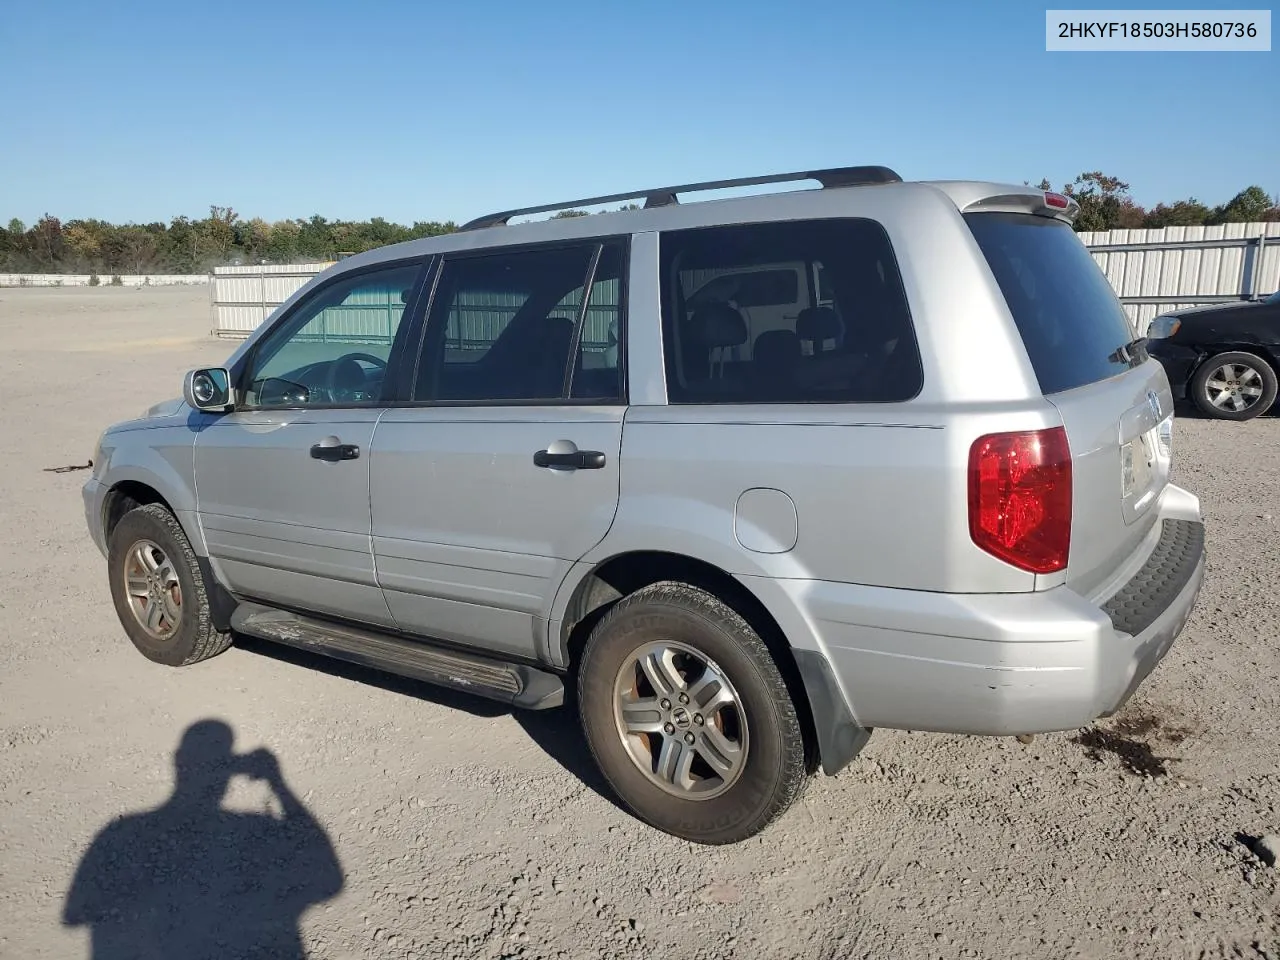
(521, 686)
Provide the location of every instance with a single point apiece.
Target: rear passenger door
(501, 469)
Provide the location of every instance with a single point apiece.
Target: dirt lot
(446, 828)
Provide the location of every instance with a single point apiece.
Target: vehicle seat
(713, 329)
(774, 359)
(817, 325)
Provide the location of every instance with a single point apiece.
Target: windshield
(1070, 319)
(1274, 298)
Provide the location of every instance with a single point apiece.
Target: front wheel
(158, 590)
(688, 717)
(1234, 386)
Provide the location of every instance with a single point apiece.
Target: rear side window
(1070, 319)
(795, 312)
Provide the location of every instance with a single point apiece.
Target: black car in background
(1224, 357)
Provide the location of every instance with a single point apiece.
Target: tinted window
(335, 346)
(1070, 319)
(503, 326)
(598, 375)
(730, 339)
(755, 288)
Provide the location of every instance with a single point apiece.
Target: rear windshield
(1071, 321)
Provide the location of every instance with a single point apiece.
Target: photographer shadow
(192, 879)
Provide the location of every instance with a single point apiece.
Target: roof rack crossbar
(665, 196)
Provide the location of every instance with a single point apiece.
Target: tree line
(184, 245)
(1105, 204)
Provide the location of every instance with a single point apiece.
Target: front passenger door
(282, 482)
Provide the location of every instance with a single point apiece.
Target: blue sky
(426, 111)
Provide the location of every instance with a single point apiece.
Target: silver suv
(747, 477)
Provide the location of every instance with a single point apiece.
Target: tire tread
(794, 774)
(208, 641)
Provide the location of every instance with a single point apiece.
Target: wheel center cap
(681, 718)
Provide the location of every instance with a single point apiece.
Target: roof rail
(665, 196)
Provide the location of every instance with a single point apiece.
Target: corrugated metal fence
(1151, 270)
(1158, 270)
(242, 297)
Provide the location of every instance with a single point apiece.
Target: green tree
(1181, 213)
(432, 228)
(1248, 206)
(315, 239)
(282, 242)
(215, 237)
(1104, 201)
(180, 245)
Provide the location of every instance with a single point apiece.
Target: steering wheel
(346, 376)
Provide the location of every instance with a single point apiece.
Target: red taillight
(1020, 498)
(1057, 201)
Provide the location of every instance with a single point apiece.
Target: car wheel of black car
(1234, 386)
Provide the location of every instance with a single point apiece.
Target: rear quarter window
(1070, 319)
(809, 311)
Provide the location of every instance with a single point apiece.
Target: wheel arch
(831, 735)
(1267, 352)
(129, 494)
(126, 495)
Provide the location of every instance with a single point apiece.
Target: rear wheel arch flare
(624, 574)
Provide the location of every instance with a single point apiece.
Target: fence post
(1248, 268)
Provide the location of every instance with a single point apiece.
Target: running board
(516, 684)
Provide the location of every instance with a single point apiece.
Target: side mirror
(208, 389)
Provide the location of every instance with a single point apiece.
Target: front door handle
(333, 450)
(572, 459)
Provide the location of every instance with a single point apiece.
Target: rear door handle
(333, 450)
(574, 460)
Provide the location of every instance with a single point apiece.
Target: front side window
(335, 347)
(503, 327)
(792, 312)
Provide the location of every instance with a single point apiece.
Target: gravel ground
(419, 823)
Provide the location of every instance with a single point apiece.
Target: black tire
(1200, 391)
(195, 637)
(773, 774)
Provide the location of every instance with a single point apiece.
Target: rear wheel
(1234, 386)
(158, 591)
(688, 717)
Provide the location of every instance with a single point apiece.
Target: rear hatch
(1114, 400)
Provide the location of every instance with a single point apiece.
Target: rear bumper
(1004, 664)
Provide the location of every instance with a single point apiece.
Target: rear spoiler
(1042, 203)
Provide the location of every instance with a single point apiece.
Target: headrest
(718, 325)
(817, 323)
(776, 345)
